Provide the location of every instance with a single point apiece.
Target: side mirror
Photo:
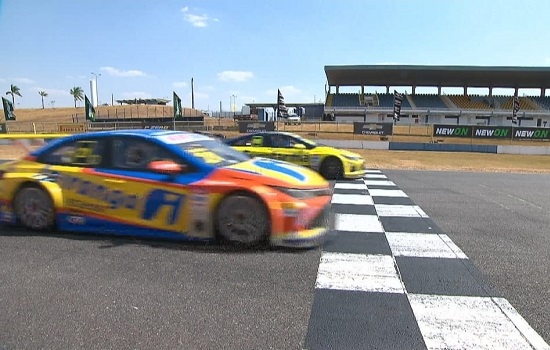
(166, 167)
(299, 146)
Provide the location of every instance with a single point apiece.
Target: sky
(244, 51)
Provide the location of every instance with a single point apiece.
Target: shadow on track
(114, 241)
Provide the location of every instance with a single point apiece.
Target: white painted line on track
(355, 199)
(399, 210)
(374, 176)
(358, 272)
(459, 253)
(350, 186)
(379, 183)
(461, 322)
(357, 223)
(372, 171)
(424, 245)
(528, 332)
(387, 193)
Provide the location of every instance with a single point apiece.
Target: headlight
(352, 157)
(304, 193)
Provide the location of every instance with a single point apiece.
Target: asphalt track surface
(67, 291)
(502, 222)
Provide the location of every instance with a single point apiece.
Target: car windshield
(306, 141)
(213, 152)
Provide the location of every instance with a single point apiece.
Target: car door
(254, 145)
(147, 201)
(71, 165)
(289, 149)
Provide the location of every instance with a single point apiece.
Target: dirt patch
(455, 161)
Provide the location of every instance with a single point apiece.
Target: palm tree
(77, 94)
(14, 90)
(43, 94)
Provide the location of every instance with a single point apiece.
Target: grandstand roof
(444, 76)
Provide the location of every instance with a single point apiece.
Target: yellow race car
(330, 162)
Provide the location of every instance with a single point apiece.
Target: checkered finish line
(389, 278)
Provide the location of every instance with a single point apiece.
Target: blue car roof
(144, 133)
(131, 132)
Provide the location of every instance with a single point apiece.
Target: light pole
(234, 103)
(96, 93)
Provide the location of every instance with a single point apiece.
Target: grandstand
(464, 109)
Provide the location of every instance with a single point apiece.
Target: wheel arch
(52, 189)
(240, 191)
(330, 157)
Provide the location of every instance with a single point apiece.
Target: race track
(73, 291)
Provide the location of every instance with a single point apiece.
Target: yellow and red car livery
(332, 163)
(166, 184)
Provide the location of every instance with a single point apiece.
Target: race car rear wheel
(34, 208)
(242, 219)
(332, 168)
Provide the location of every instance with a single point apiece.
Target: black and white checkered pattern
(389, 278)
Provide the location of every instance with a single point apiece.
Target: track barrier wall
(18, 144)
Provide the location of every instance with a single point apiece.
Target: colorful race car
(166, 184)
(330, 162)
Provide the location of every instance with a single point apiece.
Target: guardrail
(343, 130)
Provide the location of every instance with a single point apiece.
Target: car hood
(275, 172)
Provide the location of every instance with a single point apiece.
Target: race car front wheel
(332, 169)
(34, 208)
(242, 219)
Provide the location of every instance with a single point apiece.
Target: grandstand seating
(329, 100)
(346, 100)
(526, 104)
(543, 102)
(386, 100)
(469, 101)
(428, 101)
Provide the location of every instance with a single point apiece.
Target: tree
(77, 93)
(14, 90)
(43, 94)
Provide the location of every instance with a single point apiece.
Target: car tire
(34, 208)
(242, 219)
(332, 169)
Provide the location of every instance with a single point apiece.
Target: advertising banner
(252, 127)
(452, 130)
(492, 132)
(531, 133)
(379, 129)
(157, 125)
(71, 128)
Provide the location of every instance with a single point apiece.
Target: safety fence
(439, 133)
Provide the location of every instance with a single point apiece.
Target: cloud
(287, 91)
(72, 77)
(135, 94)
(235, 76)
(24, 80)
(179, 84)
(199, 21)
(199, 96)
(52, 92)
(123, 73)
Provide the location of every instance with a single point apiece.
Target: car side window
(135, 154)
(282, 141)
(79, 153)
